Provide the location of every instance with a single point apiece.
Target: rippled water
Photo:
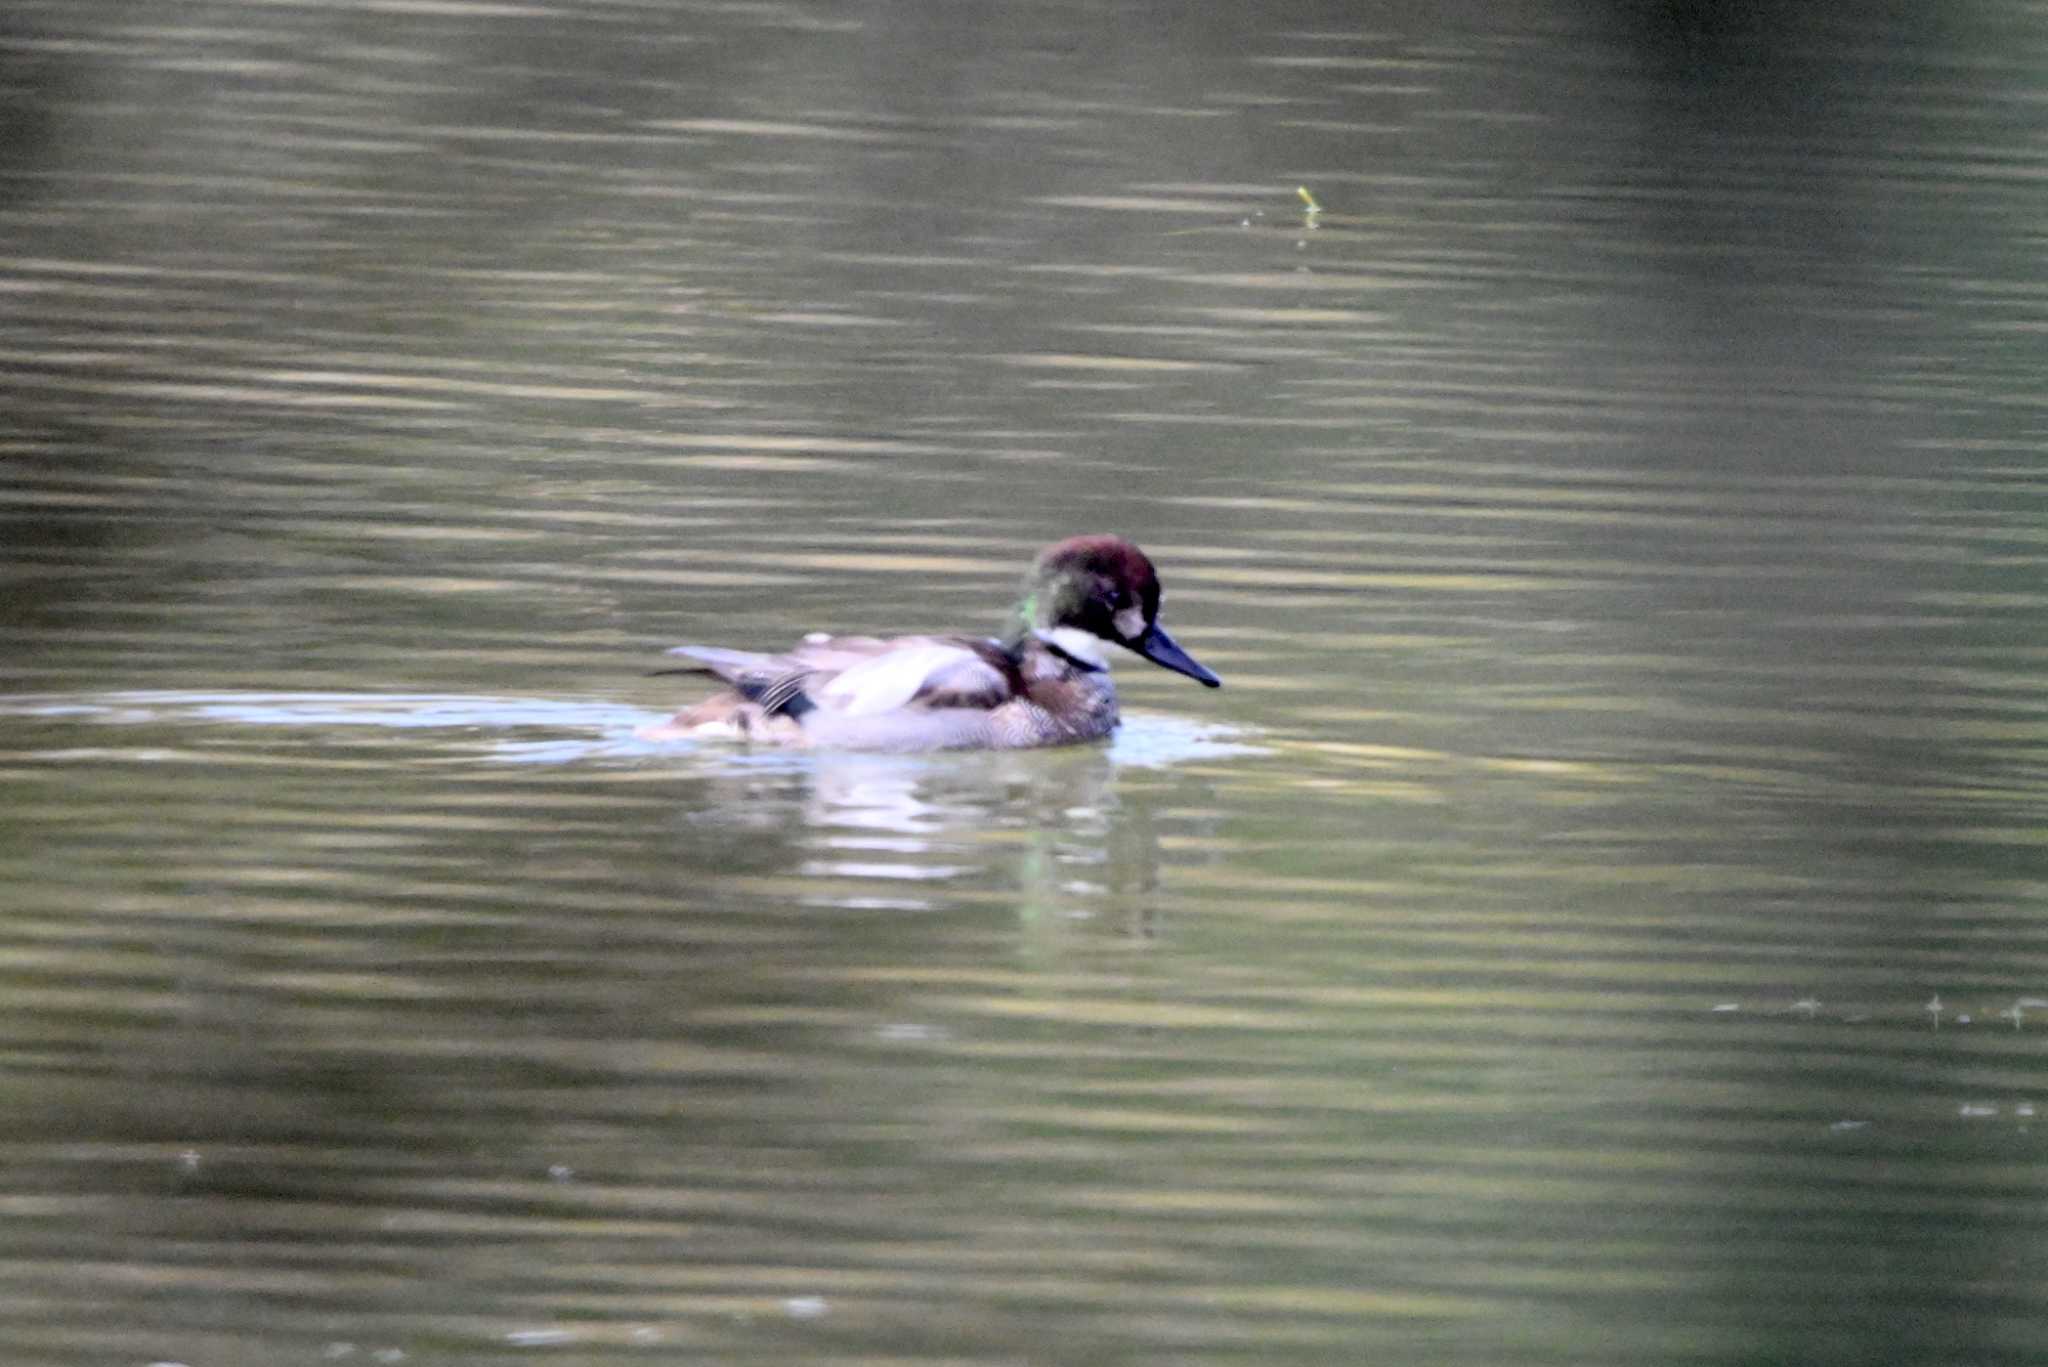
(1599, 921)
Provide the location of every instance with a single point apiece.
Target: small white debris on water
(909, 1032)
(1842, 1125)
(335, 1352)
(804, 1307)
(1972, 1110)
(1728, 1006)
(560, 1172)
(538, 1338)
(2024, 1109)
(188, 1161)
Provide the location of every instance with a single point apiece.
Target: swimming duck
(1045, 681)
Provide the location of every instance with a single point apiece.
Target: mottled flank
(1044, 682)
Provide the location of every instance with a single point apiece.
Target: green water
(1600, 920)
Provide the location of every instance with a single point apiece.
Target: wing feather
(865, 676)
(927, 672)
(731, 665)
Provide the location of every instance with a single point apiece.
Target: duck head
(1103, 585)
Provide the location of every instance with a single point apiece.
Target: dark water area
(1600, 920)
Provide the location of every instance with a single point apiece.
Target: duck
(1044, 681)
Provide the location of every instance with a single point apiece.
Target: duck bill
(1156, 646)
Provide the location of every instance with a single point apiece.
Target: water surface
(1599, 921)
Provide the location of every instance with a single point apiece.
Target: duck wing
(776, 682)
(864, 676)
(922, 672)
(729, 665)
